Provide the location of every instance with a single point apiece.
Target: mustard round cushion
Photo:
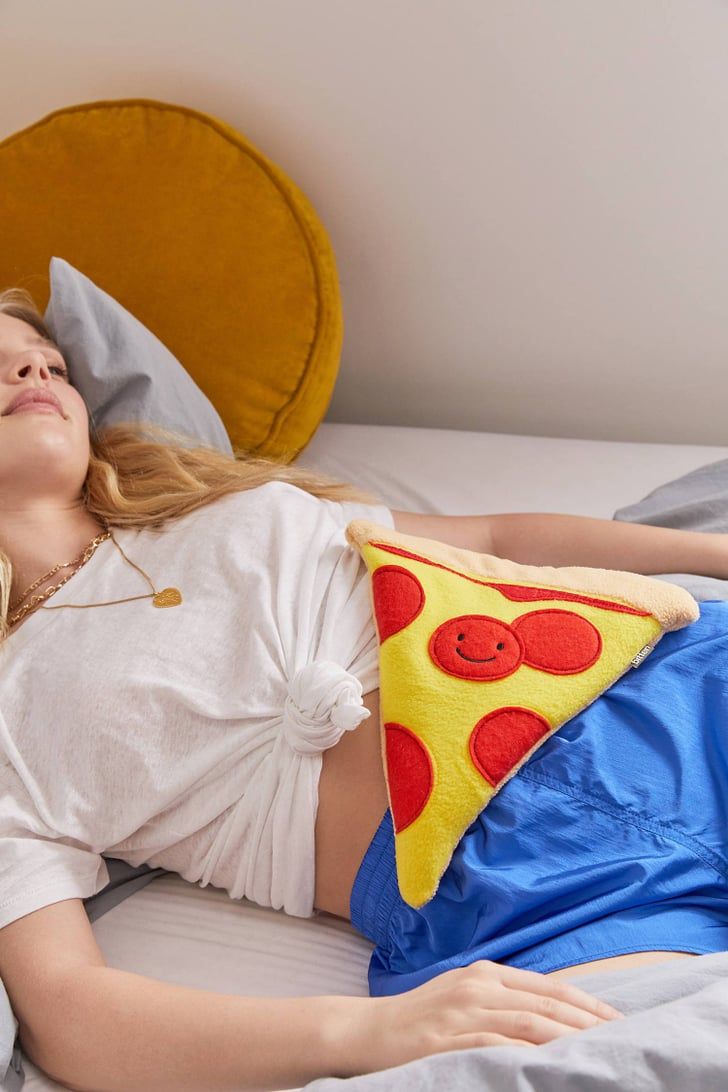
(204, 240)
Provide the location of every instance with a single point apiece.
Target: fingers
(489, 1039)
(532, 982)
(563, 1012)
(524, 1024)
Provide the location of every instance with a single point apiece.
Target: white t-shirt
(187, 737)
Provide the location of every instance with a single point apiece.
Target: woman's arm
(122, 1032)
(536, 538)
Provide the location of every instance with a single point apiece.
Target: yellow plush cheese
(480, 661)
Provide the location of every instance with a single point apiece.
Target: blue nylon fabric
(612, 838)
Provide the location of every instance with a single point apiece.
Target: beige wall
(527, 199)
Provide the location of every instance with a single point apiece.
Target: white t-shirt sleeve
(346, 511)
(36, 870)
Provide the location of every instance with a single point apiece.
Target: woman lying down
(233, 737)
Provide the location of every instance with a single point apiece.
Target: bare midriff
(352, 801)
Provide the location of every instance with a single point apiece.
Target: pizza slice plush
(480, 661)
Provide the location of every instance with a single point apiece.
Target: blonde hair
(137, 481)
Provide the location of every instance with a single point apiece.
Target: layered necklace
(168, 597)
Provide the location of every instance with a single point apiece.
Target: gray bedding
(677, 1036)
(696, 502)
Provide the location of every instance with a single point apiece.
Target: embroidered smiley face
(474, 646)
(478, 647)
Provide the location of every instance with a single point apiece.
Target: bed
(180, 933)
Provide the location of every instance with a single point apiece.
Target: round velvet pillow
(201, 238)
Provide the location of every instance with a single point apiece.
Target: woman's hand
(483, 1004)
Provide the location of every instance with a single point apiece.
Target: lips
(34, 397)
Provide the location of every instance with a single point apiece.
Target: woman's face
(41, 450)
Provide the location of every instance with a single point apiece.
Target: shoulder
(255, 512)
(269, 495)
(277, 495)
(283, 502)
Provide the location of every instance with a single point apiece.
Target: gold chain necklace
(168, 597)
(77, 562)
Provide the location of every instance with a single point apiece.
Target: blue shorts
(611, 838)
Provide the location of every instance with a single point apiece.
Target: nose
(34, 360)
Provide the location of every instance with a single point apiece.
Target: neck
(39, 542)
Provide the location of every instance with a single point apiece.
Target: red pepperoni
(409, 774)
(398, 599)
(476, 646)
(558, 641)
(500, 740)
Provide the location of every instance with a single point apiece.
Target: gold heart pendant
(169, 597)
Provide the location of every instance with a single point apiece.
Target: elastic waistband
(375, 892)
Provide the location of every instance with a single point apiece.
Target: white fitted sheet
(466, 473)
(180, 933)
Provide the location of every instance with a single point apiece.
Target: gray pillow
(122, 371)
(696, 502)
